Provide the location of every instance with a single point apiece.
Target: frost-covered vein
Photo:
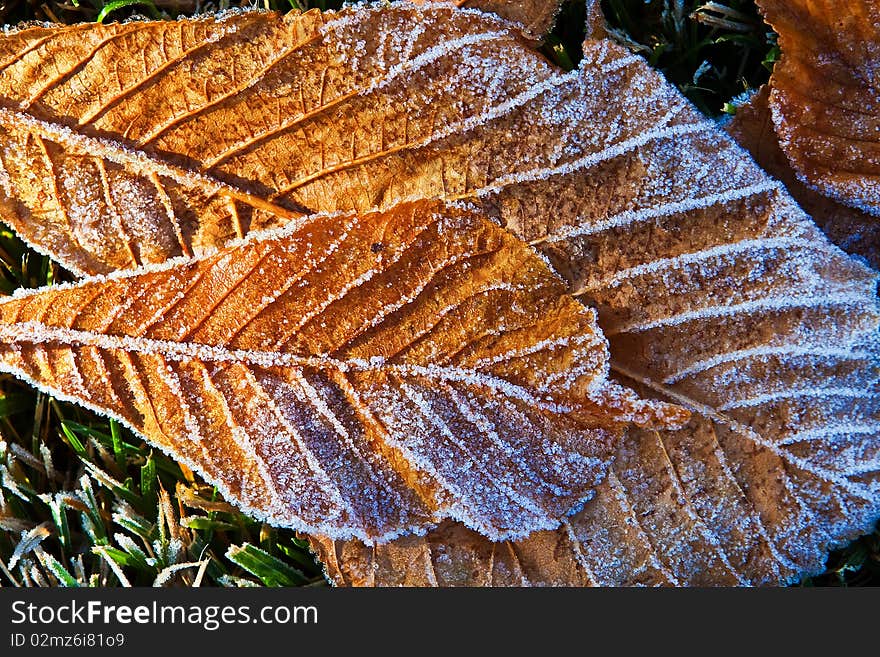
(171, 215)
(830, 353)
(77, 373)
(289, 281)
(207, 310)
(613, 151)
(55, 192)
(35, 333)
(423, 332)
(416, 290)
(453, 355)
(499, 111)
(679, 262)
(622, 497)
(35, 46)
(327, 413)
(747, 432)
(524, 581)
(862, 468)
(433, 54)
(362, 411)
(172, 382)
(160, 313)
(769, 304)
(825, 433)
(328, 484)
(114, 213)
(797, 393)
(135, 162)
(754, 517)
(430, 573)
(619, 63)
(107, 386)
(320, 405)
(208, 42)
(578, 550)
(241, 437)
(477, 418)
(567, 376)
(688, 506)
(142, 400)
(630, 217)
(340, 294)
(76, 66)
(584, 340)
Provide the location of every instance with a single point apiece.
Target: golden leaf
(352, 375)
(713, 287)
(852, 230)
(825, 95)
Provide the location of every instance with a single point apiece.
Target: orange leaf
(825, 95)
(352, 375)
(852, 230)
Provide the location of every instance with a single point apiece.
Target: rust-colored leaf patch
(825, 95)
(852, 230)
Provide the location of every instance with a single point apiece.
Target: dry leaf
(713, 286)
(852, 230)
(535, 16)
(352, 375)
(108, 171)
(825, 95)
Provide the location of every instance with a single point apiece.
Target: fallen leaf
(825, 95)
(852, 230)
(353, 375)
(714, 288)
(535, 16)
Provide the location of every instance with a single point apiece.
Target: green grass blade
(270, 570)
(52, 565)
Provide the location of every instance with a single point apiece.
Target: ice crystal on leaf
(825, 96)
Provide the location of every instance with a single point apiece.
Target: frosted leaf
(311, 377)
(712, 284)
(535, 16)
(853, 230)
(825, 96)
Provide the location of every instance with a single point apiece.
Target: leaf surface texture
(825, 95)
(853, 230)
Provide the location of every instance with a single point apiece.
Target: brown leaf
(714, 288)
(825, 95)
(352, 375)
(852, 230)
(535, 16)
(109, 172)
